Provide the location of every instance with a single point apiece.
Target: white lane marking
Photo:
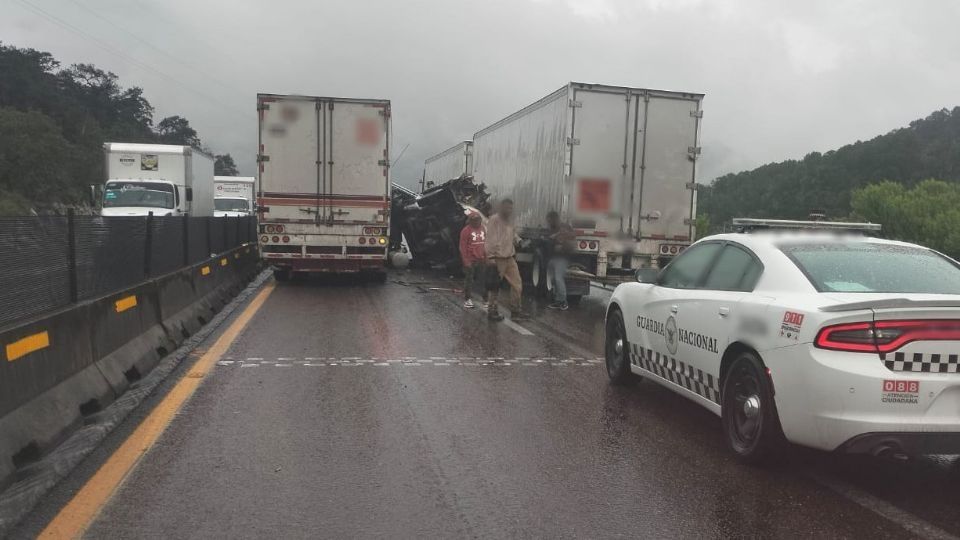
(521, 330)
(283, 365)
(441, 364)
(381, 364)
(225, 363)
(315, 365)
(908, 521)
(350, 358)
(412, 364)
(249, 365)
(408, 358)
(438, 357)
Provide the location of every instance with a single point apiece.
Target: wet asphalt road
(319, 423)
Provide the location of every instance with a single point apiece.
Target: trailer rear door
(291, 139)
(665, 168)
(357, 187)
(601, 144)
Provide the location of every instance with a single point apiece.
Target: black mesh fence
(50, 262)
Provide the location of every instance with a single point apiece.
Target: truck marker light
(372, 241)
(205, 271)
(264, 239)
(593, 245)
(269, 229)
(223, 262)
(383, 241)
(275, 239)
(673, 250)
(583, 244)
(27, 345)
(279, 228)
(363, 240)
(286, 239)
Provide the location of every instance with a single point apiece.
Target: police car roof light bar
(751, 224)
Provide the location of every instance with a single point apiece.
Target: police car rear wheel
(750, 422)
(617, 349)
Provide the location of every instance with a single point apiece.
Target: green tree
(177, 130)
(927, 214)
(224, 166)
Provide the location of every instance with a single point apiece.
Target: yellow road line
(74, 518)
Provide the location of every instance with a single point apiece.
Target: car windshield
(149, 194)
(231, 205)
(871, 267)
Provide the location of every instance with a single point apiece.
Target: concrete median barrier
(65, 365)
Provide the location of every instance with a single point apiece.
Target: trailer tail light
(885, 336)
(286, 238)
(363, 240)
(264, 239)
(583, 244)
(594, 244)
(372, 241)
(279, 228)
(383, 241)
(366, 230)
(276, 239)
(270, 229)
(673, 250)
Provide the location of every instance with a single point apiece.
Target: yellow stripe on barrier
(205, 270)
(223, 262)
(27, 345)
(236, 255)
(124, 304)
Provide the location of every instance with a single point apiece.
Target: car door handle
(724, 311)
(674, 309)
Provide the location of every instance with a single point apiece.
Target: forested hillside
(54, 121)
(927, 148)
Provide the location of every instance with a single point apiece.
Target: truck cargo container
(165, 180)
(233, 195)
(448, 165)
(617, 163)
(324, 184)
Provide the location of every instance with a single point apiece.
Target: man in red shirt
(473, 239)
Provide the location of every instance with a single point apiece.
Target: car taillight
(275, 239)
(270, 229)
(363, 240)
(583, 244)
(286, 238)
(279, 228)
(885, 336)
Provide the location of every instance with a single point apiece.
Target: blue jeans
(557, 271)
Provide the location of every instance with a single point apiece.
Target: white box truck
(617, 163)
(448, 165)
(167, 180)
(233, 195)
(324, 184)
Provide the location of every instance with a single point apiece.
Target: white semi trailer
(162, 179)
(324, 184)
(618, 163)
(450, 164)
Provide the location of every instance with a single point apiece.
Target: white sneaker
(468, 303)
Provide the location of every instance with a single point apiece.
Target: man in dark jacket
(562, 238)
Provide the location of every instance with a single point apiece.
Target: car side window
(686, 271)
(734, 270)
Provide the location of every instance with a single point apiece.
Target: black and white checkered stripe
(677, 372)
(924, 363)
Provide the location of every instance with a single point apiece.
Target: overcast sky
(781, 78)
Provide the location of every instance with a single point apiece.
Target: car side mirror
(647, 275)
(189, 194)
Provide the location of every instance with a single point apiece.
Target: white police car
(827, 339)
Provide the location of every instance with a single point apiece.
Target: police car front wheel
(617, 349)
(751, 425)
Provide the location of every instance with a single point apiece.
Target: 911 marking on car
(900, 392)
(792, 323)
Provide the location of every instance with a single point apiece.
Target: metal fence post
(206, 222)
(148, 246)
(72, 256)
(236, 238)
(186, 241)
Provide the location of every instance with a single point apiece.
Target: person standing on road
(501, 251)
(473, 239)
(561, 246)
